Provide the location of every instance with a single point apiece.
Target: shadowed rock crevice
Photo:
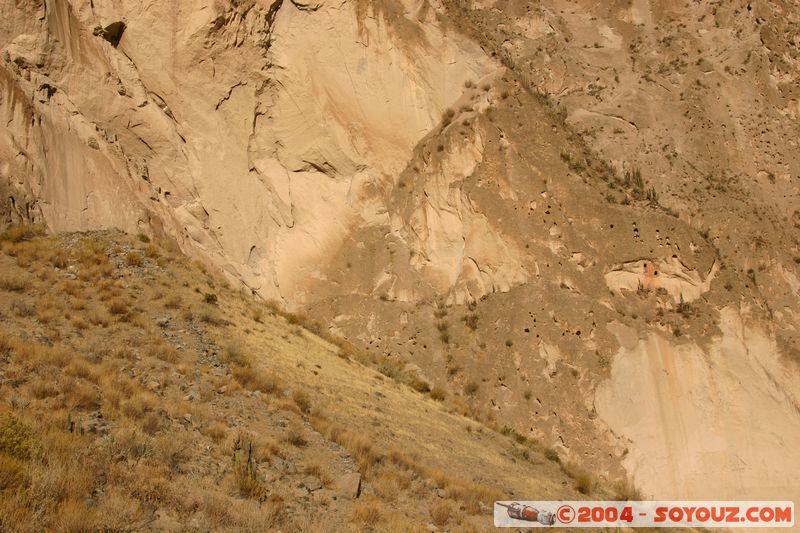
(112, 33)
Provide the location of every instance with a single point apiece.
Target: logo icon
(565, 514)
(527, 513)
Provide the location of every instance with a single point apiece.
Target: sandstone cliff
(553, 208)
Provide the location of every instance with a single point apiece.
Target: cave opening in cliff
(113, 33)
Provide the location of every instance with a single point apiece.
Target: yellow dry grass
(181, 395)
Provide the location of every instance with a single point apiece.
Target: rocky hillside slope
(579, 219)
(140, 394)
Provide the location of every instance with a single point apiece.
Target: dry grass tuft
(98, 318)
(118, 307)
(12, 473)
(216, 431)
(419, 385)
(368, 512)
(22, 233)
(164, 352)
(13, 283)
(302, 400)
(361, 448)
(438, 393)
(625, 490)
(82, 396)
(133, 259)
(583, 481)
(174, 301)
(32, 355)
(254, 380)
(390, 483)
(72, 288)
(441, 511)
(295, 437)
(470, 388)
(316, 469)
(75, 517)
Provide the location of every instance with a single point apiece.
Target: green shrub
(210, 298)
(22, 233)
(16, 438)
(471, 321)
(391, 368)
(684, 308)
(551, 455)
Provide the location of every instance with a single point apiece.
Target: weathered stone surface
(167, 127)
(458, 183)
(311, 483)
(350, 484)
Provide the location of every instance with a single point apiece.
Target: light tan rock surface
(710, 422)
(406, 171)
(241, 129)
(668, 275)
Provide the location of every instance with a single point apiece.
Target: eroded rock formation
(491, 190)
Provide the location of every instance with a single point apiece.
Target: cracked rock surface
(554, 210)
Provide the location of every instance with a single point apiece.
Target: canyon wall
(581, 219)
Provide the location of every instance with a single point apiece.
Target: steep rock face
(702, 98)
(259, 134)
(64, 113)
(489, 190)
(694, 106)
(690, 414)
